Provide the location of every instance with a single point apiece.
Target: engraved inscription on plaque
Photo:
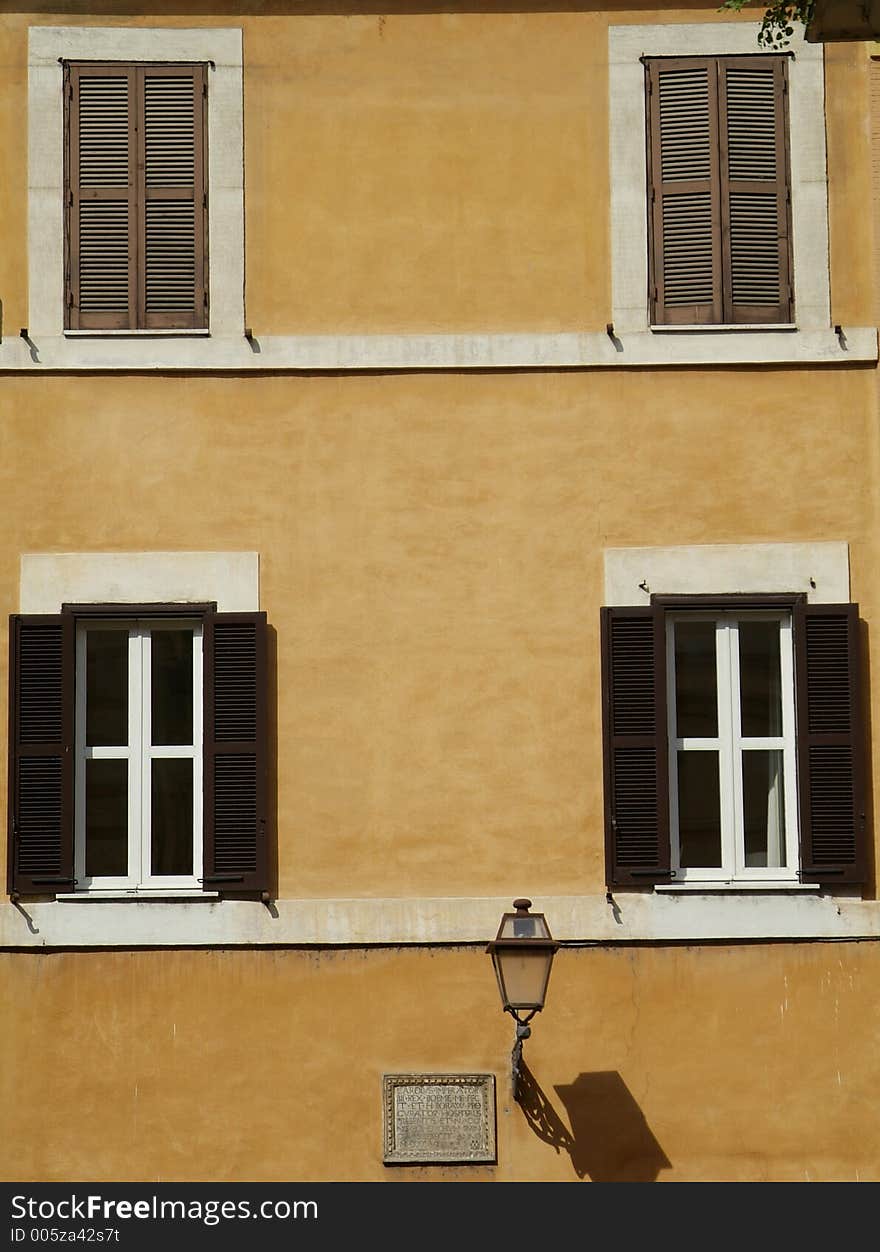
(438, 1117)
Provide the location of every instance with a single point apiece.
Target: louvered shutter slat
(830, 765)
(235, 847)
(754, 189)
(683, 158)
(635, 751)
(41, 755)
(173, 235)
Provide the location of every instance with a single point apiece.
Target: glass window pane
(763, 808)
(699, 810)
(107, 688)
(107, 818)
(696, 683)
(172, 816)
(172, 680)
(760, 678)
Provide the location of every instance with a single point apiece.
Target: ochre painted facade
(747, 1064)
(431, 563)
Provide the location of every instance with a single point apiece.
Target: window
(135, 196)
(138, 750)
(732, 741)
(719, 237)
(732, 788)
(138, 754)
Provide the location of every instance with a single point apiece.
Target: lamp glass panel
(528, 927)
(524, 976)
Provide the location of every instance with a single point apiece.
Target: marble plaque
(431, 1118)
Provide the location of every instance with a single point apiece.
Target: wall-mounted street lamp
(522, 953)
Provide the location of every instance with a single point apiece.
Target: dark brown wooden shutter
(752, 98)
(41, 730)
(683, 188)
(235, 850)
(136, 201)
(635, 746)
(829, 743)
(101, 197)
(718, 186)
(172, 291)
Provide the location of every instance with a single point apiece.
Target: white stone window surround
(47, 47)
(820, 570)
(50, 579)
(809, 184)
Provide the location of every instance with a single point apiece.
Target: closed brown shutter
(136, 197)
(41, 726)
(752, 99)
(635, 746)
(171, 274)
(719, 238)
(829, 743)
(235, 849)
(683, 186)
(101, 197)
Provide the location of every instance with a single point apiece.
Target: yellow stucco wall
(754, 1063)
(431, 563)
(435, 172)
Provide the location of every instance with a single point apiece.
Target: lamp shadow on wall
(609, 1140)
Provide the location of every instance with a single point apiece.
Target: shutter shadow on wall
(135, 193)
(718, 188)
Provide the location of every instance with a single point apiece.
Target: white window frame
(139, 752)
(629, 192)
(221, 49)
(729, 744)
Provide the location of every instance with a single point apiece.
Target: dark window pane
(107, 688)
(696, 684)
(107, 818)
(172, 678)
(759, 678)
(764, 808)
(172, 816)
(699, 810)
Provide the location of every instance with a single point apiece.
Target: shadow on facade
(609, 1140)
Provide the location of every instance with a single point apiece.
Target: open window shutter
(829, 743)
(235, 845)
(684, 191)
(634, 733)
(41, 724)
(755, 189)
(100, 195)
(172, 291)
